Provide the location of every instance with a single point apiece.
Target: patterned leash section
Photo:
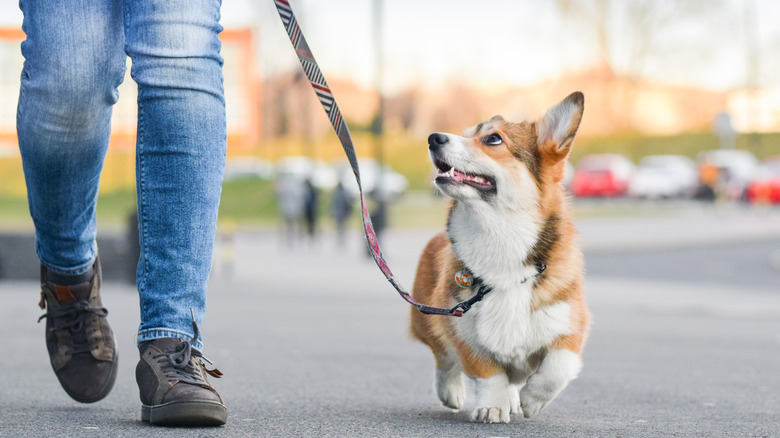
(328, 102)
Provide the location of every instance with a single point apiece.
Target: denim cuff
(78, 270)
(158, 333)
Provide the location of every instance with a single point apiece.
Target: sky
(519, 42)
(497, 43)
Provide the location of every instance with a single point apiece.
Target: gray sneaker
(79, 339)
(171, 378)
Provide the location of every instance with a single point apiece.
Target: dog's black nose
(436, 140)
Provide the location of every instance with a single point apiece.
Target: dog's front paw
(450, 388)
(555, 372)
(531, 405)
(493, 399)
(514, 400)
(490, 415)
(452, 395)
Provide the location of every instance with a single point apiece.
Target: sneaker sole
(189, 413)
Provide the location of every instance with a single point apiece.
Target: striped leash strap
(328, 102)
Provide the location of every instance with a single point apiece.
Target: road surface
(313, 342)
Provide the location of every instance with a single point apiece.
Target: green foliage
(14, 212)
(249, 200)
(115, 208)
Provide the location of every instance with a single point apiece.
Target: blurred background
(682, 109)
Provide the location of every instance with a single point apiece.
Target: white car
(664, 176)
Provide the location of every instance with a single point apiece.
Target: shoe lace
(183, 363)
(73, 318)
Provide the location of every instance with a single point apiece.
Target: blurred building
(242, 93)
(10, 70)
(615, 105)
(756, 111)
(290, 107)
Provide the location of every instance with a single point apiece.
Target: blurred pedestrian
(75, 56)
(708, 179)
(341, 209)
(310, 207)
(290, 194)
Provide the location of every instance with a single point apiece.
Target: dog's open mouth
(447, 173)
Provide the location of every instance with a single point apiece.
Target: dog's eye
(493, 140)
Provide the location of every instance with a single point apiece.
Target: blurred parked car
(248, 168)
(602, 175)
(393, 184)
(664, 176)
(735, 169)
(302, 168)
(765, 187)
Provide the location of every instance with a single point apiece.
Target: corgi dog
(509, 239)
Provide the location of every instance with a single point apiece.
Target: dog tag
(463, 278)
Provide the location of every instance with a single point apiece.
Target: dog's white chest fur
(503, 327)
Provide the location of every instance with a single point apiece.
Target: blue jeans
(75, 55)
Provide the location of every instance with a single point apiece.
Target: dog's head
(500, 162)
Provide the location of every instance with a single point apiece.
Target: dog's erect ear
(557, 128)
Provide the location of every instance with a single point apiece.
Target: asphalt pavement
(313, 342)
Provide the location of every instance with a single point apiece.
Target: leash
(328, 102)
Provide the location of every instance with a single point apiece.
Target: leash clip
(464, 307)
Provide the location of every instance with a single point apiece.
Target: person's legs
(74, 61)
(181, 148)
(73, 64)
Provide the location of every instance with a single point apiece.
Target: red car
(765, 187)
(602, 175)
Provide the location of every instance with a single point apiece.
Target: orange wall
(242, 95)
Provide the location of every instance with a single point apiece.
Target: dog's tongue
(458, 176)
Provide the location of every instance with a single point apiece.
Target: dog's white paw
(490, 415)
(450, 389)
(532, 407)
(493, 399)
(452, 395)
(557, 369)
(533, 401)
(514, 400)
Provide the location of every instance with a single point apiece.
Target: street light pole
(752, 74)
(380, 212)
(378, 128)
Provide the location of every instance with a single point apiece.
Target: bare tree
(634, 40)
(627, 33)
